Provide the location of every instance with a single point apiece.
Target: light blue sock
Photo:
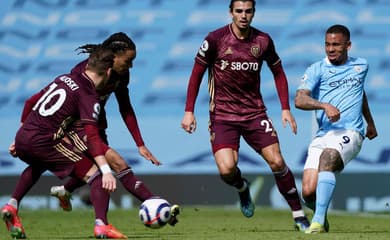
(324, 193)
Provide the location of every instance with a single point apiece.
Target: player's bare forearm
(371, 131)
(366, 110)
(304, 101)
(108, 180)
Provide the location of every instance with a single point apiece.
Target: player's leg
(285, 182)
(310, 176)
(330, 162)
(310, 173)
(261, 136)
(61, 159)
(86, 170)
(309, 185)
(226, 160)
(26, 181)
(341, 147)
(132, 184)
(9, 212)
(126, 176)
(64, 192)
(123, 172)
(225, 139)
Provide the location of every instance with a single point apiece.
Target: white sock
(298, 213)
(13, 202)
(99, 222)
(61, 190)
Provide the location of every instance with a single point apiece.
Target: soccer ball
(155, 212)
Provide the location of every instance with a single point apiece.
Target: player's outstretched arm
(144, 152)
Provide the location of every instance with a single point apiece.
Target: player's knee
(117, 163)
(330, 160)
(277, 165)
(231, 177)
(119, 166)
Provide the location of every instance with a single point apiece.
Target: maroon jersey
(118, 84)
(234, 72)
(39, 141)
(67, 98)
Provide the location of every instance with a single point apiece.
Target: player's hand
(144, 152)
(12, 150)
(109, 182)
(332, 112)
(371, 132)
(188, 123)
(287, 117)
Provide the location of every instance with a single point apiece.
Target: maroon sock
(286, 185)
(134, 185)
(73, 183)
(100, 198)
(235, 179)
(26, 181)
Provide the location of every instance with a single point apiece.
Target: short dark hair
(117, 42)
(100, 59)
(232, 1)
(338, 28)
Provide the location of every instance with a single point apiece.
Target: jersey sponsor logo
(238, 66)
(246, 66)
(224, 64)
(348, 82)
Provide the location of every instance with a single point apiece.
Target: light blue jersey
(342, 86)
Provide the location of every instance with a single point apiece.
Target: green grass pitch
(201, 222)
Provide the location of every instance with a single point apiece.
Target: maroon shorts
(59, 157)
(258, 133)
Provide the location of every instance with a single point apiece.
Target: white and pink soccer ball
(155, 212)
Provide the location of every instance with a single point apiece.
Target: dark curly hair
(117, 42)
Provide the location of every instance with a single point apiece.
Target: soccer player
(40, 141)
(125, 53)
(234, 55)
(334, 88)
